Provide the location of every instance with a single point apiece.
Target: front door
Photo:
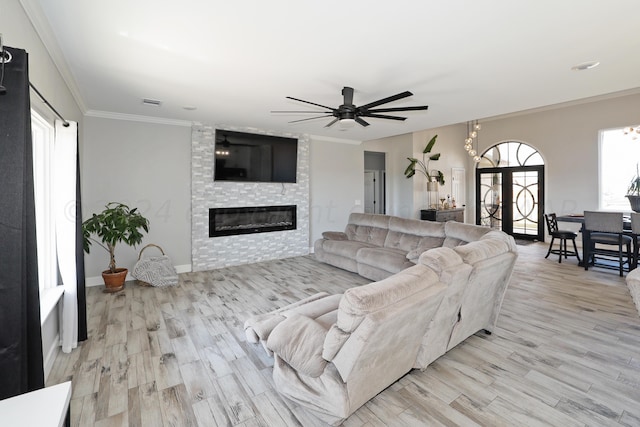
(511, 199)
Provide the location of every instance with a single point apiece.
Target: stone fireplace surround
(209, 253)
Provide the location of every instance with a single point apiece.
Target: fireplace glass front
(247, 220)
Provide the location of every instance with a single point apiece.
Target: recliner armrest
(334, 235)
(298, 341)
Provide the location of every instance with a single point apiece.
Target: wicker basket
(154, 271)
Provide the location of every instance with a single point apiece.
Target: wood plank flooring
(566, 353)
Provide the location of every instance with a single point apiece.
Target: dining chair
(635, 229)
(563, 236)
(606, 229)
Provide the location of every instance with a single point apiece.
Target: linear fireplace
(253, 219)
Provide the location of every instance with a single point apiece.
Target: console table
(47, 407)
(442, 215)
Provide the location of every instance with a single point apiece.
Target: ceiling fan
(348, 114)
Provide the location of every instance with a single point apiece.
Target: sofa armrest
(298, 341)
(334, 235)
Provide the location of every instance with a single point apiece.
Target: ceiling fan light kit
(349, 114)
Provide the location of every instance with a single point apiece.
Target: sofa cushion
(440, 259)
(367, 228)
(298, 341)
(314, 308)
(459, 233)
(334, 235)
(475, 252)
(424, 245)
(392, 260)
(345, 248)
(359, 301)
(408, 234)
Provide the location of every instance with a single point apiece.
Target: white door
(370, 192)
(458, 187)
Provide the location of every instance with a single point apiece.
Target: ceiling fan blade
(309, 102)
(382, 116)
(362, 122)
(385, 100)
(388, 110)
(331, 122)
(310, 118)
(299, 112)
(347, 93)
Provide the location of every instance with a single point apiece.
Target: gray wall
(568, 139)
(18, 32)
(336, 183)
(450, 145)
(144, 165)
(374, 160)
(399, 197)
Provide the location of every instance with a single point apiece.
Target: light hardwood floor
(566, 353)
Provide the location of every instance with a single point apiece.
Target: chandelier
(472, 135)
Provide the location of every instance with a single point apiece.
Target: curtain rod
(64, 122)
(5, 58)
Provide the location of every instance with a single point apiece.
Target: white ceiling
(237, 60)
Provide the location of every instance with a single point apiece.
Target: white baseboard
(184, 268)
(50, 356)
(97, 280)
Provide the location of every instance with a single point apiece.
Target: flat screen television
(250, 157)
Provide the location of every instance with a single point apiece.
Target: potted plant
(423, 165)
(116, 223)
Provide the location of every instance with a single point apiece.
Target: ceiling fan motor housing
(348, 111)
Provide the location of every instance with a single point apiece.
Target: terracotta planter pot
(114, 282)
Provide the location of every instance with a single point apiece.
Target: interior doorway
(374, 182)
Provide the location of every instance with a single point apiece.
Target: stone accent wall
(209, 253)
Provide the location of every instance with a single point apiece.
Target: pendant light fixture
(472, 136)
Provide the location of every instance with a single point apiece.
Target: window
(42, 134)
(619, 157)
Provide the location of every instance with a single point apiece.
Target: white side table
(47, 407)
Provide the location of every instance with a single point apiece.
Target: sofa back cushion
(380, 328)
(367, 228)
(459, 233)
(410, 234)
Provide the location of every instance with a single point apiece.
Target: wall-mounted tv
(250, 157)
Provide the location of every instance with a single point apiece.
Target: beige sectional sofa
(332, 353)
(377, 246)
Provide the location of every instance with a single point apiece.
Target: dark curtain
(21, 363)
(82, 295)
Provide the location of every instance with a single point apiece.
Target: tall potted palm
(423, 165)
(116, 223)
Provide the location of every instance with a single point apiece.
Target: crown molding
(572, 103)
(137, 118)
(45, 33)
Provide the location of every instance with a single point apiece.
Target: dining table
(586, 240)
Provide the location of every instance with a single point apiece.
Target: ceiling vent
(151, 102)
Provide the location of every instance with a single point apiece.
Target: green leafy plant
(117, 223)
(634, 185)
(422, 166)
